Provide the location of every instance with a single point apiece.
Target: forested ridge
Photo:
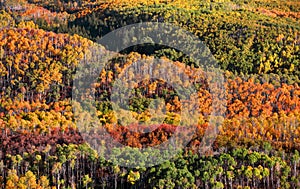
(44, 43)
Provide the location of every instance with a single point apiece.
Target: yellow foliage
(28, 24)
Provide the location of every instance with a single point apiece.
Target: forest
(50, 140)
